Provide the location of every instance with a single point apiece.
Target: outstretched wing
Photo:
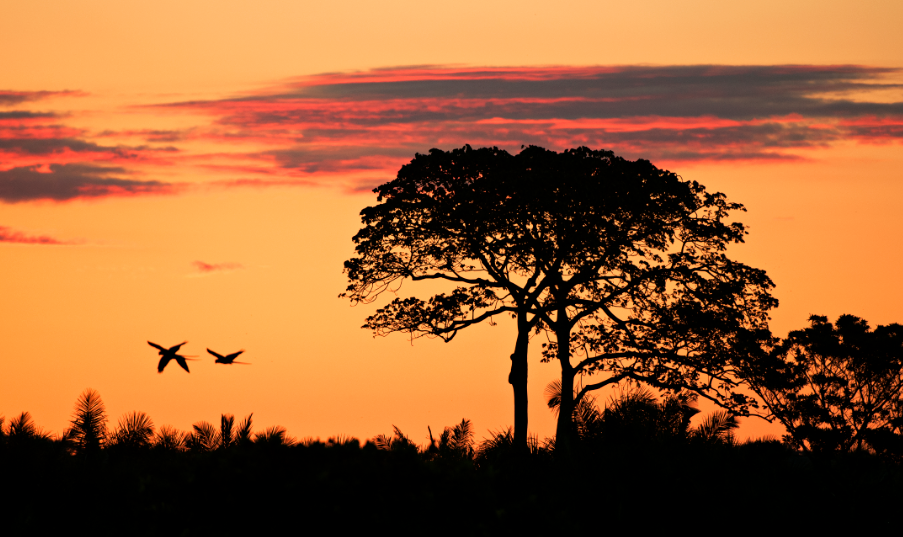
(218, 355)
(175, 348)
(181, 361)
(234, 355)
(163, 361)
(154, 345)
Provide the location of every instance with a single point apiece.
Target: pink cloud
(216, 267)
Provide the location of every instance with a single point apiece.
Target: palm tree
(398, 442)
(170, 439)
(135, 430)
(274, 436)
(22, 428)
(500, 446)
(204, 437)
(88, 430)
(243, 435)
(717, 427)
(226, 434)
(454, 442)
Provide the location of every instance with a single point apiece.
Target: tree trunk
(518, 380)
(565, 435)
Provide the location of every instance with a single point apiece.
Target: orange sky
(176, 172)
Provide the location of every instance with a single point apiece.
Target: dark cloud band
(62, 182)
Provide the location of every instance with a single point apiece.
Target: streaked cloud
(10, 235)
(13, 98)
(369, 123)
(44, 158)
(215, 267)
(63, 182)
(355, 130)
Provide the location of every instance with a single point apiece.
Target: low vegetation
(640, 462)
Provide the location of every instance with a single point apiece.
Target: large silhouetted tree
(642, 289)
(620, 262)
(449, 216)
(846, 388)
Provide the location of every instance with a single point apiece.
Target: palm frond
(23, 427)
(553, 395)
(135, 430)
(498, 442)
(462, 437)
(204, 437)
(383, 442)
(339, 440)
(226, 431)
(717, 426)
(243, 434)
(88, 428)
(171, 439)
(274, 436)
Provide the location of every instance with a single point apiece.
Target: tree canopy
(621, 263)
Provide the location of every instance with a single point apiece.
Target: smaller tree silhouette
(844, 389)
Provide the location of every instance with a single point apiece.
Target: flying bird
(170, 354)
(229, 359)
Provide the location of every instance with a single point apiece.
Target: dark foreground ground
(337, 489)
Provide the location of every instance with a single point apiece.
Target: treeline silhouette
(641, 464)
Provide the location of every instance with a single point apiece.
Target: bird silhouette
(170, 354)
(229, 359)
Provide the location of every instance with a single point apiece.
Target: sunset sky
(194, 171)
